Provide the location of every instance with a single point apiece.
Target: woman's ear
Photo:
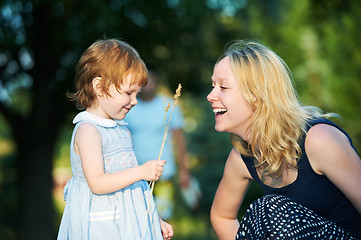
(254, 102)
(97, 86)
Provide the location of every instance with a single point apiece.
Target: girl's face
(229, 106)
(119, 103)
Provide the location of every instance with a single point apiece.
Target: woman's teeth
(219, 111)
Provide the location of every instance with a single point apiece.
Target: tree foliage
(41, 41)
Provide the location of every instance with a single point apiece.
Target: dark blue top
(315, 191)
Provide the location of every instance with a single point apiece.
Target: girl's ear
(97, 87)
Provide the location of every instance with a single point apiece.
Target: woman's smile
(231, 109)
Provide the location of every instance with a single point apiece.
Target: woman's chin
(219, 128)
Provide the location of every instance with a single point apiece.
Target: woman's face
(229, 106)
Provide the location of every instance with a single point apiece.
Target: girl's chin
(120, 116)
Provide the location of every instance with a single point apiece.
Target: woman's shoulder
(237, 163)
(321, 131)
(318, 120)
(324, 140)
(322, 134)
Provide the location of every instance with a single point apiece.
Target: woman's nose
(212, 96)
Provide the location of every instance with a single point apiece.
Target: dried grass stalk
(166, 128)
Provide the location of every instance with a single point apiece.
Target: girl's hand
(167, 230)
(152, 170)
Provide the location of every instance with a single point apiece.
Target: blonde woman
(306, 164)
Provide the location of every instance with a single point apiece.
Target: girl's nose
(134, 101)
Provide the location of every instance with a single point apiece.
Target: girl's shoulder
(87, 117)
(86, 130)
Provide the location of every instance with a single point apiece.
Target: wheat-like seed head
(167, 107)
(177, 94)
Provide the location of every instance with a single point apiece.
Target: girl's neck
(97, 112)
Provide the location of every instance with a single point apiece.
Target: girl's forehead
(134, 79)
(127, 80)
(130, 86)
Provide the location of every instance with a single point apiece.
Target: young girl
(306, 164)
(108, 196)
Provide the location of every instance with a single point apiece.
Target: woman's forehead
(222, 71)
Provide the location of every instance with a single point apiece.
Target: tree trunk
(36, 134)
(35, 154)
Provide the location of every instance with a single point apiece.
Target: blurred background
(41, 41)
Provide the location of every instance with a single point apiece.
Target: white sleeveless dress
(118, 215)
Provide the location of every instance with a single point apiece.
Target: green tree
(41, 41)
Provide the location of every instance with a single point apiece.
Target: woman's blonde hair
(113, 61)
(278, 118)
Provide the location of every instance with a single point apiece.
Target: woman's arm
(229, 197)
(88, 146)
(330, 154)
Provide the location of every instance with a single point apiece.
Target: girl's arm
(330, 154)
(229, 197)
(88, 146)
